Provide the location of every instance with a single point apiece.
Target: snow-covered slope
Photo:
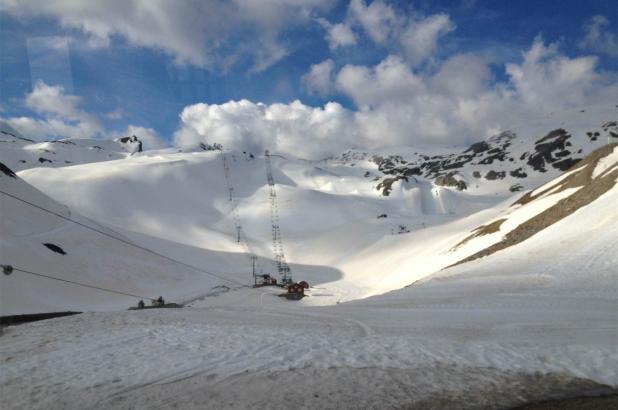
(512, 295)
(355, 225)
(99, 257)
(532, 322)
(18, 152)
(328, 216)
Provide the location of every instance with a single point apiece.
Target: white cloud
(378, 19)
(52, 100)
(62, 117)
(319, 79)
(294, 128)
(415, 37)
(42, 129)
(338, 35)
(546, 77)
(204, 33)
(390, 81)
(420, 38)
(598, 38)
(464, 75)
(396, 105)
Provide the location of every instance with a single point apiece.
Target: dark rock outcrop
(7, 171)
(546, 149)
(450, 180)
(55, 248)
(493, 175)
(478, 147)
(518, 173)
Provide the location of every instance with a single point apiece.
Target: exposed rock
(412, 171)
(386, 185)
(590, 190)
(450, 180)
(478, 147)
(608, 125)
(213, 147)
(562, 154)
(493, 175)
(7, 171)
(487, 229)
(55, 248)
(401, 229)
(67, 142)
(132, 140)
(555, 141)
(516, 188)
(566, 163)
(42, 160)
(518, 173)
(497, 156)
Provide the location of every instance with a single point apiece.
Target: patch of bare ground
(578, 403)
(439, 387)
(591, 189)
(486, 229)
(581, 177)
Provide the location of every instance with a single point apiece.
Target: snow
(606, 163)
(450, 332)
(178, 204)
(91, 258)
(554, 182)
(524, 323)
(332, 236)
(18, 152)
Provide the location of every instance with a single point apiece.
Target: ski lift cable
(234, 208)
(85, 285)
(126, 242)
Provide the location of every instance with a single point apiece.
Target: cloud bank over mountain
(397, 105)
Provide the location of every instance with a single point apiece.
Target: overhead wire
(241, 238)
(126, 242)
(16, 269)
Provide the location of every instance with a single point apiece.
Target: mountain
(519, 163)
(18, 152)
(351, 224)
(447, 291)
(41, 235)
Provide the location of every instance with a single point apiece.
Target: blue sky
(144, 71)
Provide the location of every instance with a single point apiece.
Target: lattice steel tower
(282, 266)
